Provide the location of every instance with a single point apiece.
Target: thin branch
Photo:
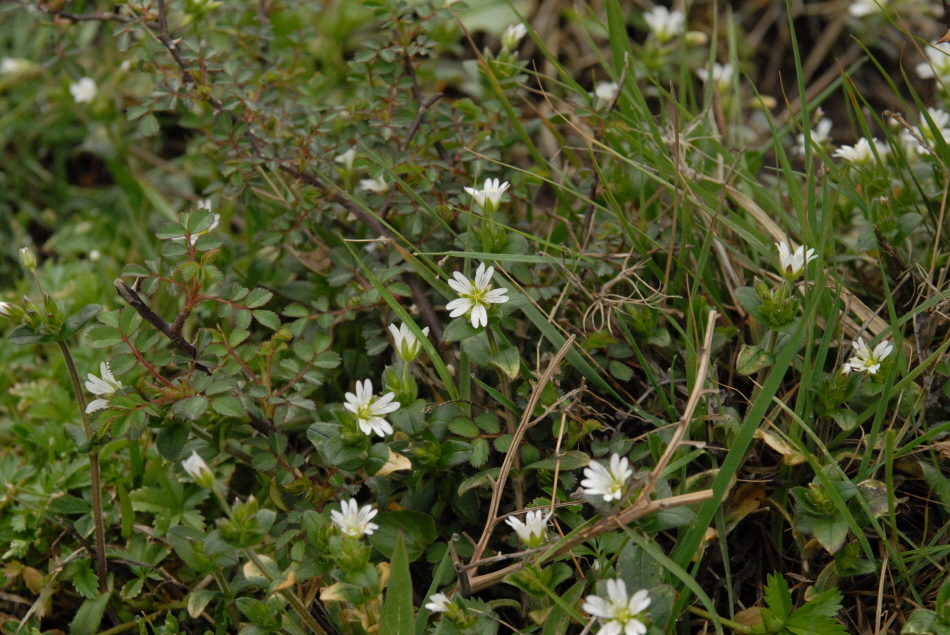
(134, 300)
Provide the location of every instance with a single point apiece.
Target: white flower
(609, 484)
(722, 76)
(617, 614)
(861, 153)
(606, 91)
(353, 520)
(5, 309)
(819, 136)
(407, 346)
(84, 91)
(866, 360)
(861, 8)
(439, 603)
(531, 531)
(369, 409)
(346, 158)
(104, 387)
(95, 255)
(664, 24)
(197, 469)
(938, 64)
(941, 120)
(377, 185)
(513, 35)
(490, 194)
(791, 264)
(475, 295)
(12, 66)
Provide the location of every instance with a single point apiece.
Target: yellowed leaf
(394, 463)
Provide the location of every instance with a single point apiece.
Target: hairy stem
(101, 567)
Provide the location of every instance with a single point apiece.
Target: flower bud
(696, 38)
(28, 259)
(199, 470)
(11, 311)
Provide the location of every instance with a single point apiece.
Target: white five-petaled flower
(866, 360)
(489, 197)
(439, 603)
(376, 186)
(353, 520)
(604, 482)
(619, 614)
(475, 295)
(861, 153)
(819, 136)
(861, 8)
(792, 263)
(407, 346)
(606, 91)
(84, 91)
(346, 158)
(370, 409)
(101, 387)
(197, 469)
(531, 531)
(513, 35)
(721, 74)
(664, 24)
(938, 62)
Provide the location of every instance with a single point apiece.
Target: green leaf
(396, 617)
(103, 337)
(507, 361)
(410, 419)
(570, 461)
(68, 504)
(228, 406)
(459, 329)
(480, 451)
(846, 419)
(23, 335)
(89, 615)
(170, 230)
(194, 407)
(418, 532)
(463, 427)
(258, 297)
(198, 600)
(453, 453)
(778, 596)
(172, 439)
(85, 580)
(619, 370)
(77, 320)
(752, 359)
(268, 318)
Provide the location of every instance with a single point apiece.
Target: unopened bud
(28, 259)
(696, 38)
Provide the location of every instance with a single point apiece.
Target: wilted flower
(609, 484)
(722, 76)
(606, 91)
(938, 64)
(101, 387)
(84, 91)
(861, 153)
(861, 8)
(819, 135)
(792, 264)
(618, 614)
(664, 24)
(353, 520)
(369, 409)
(513, 35)
(197, 469)
(489, 197)
(866, 360)
(407, 346)
(531, 531)
(475, 295)
(439, 603)
(346, 158)
(377, 185)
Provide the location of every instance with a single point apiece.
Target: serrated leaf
(258, 297)
(237, 336)
(268, 318)
(85, 580)
(103, 337)
(480, 451)
(778, 596)
(170, 230)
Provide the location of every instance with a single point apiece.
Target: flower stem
(290, 597)
(517, 480)
(736, 626)
(101, 567)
